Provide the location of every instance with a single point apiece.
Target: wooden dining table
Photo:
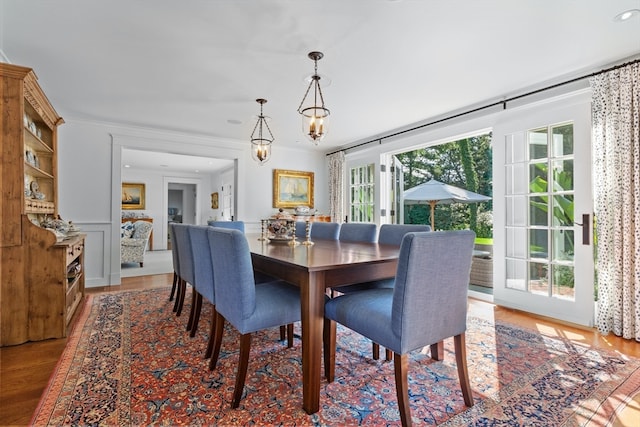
(314, 268)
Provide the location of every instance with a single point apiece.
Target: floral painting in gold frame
(132, 196)
(292, 188)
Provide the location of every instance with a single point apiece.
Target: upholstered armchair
(133, 241)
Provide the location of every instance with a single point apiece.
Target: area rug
(130, 361)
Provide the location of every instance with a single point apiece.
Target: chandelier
(261, 137)
(314, 115)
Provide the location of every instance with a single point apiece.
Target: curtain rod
(484, 107)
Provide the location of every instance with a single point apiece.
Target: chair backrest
(358, 232)
(301, 229)
(430, 293)
(185, 255)
(235, 287)
(325, 230)
(202, 264)
(392, 234)
(174, 249)
(141, 230)
(233, 225)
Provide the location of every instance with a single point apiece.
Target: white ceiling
(193, 66)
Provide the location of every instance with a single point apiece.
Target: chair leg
(173, 286)
(388, 354)
(437, 350)
(183, 291)
(196, 314)
(329, 343)
(375, 351)
(192, 311)
(243, 364)
(217, 341)
(290, 335)
(283, 331)
(178, 294)
(401, 368)
(463, 374)
(212, 331)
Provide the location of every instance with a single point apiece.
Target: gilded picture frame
(132, 196)
(292, 188)
(214, 200)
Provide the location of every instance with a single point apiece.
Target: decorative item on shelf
(302, 210)
(261, 137)
(73, 230)
(31, 158)
(314, 115)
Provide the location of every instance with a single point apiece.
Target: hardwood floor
(25, 369)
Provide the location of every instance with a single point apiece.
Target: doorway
(181, 202)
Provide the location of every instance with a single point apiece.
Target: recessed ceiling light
(626, 15)
(127, 166)
(234, 122)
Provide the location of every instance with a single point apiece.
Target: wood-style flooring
(25, 369)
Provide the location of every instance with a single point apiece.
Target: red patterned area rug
(130, 361)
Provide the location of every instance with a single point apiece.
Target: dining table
(314, 269)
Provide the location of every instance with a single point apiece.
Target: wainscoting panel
(97, 256)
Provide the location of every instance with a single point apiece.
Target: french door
(543, 221)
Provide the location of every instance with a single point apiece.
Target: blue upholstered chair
(390, 234)
(233, 225)
(247, 307)
(301, 230)
(427, 304)
(176, 266)
(358, 232)
(325, 230)
(185, 261)
(202, 279)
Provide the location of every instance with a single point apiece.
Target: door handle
(586, 228)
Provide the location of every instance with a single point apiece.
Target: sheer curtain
(336, 185)
(616, 174)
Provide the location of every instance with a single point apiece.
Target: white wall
(90, 175)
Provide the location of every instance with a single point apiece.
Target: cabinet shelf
(34, 143)
(34, 171)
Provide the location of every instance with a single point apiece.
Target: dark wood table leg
(312, 299)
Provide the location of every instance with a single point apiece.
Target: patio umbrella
(434, 192)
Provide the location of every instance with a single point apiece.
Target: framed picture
(292, 188)
(214, 200)
(132, 196)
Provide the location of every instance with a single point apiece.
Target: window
(540, 200)
(361, 193)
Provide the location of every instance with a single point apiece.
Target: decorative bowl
(281, 230)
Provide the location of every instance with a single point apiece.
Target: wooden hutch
(41, 275)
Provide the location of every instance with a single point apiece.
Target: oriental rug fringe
(130, 361)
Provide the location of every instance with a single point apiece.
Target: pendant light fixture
(261, 137)
(314, 113)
